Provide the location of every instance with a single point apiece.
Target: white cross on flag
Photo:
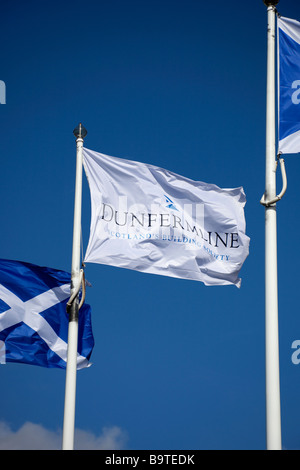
(33, 316)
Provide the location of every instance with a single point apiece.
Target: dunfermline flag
(149, 219)
(33, 317)
(289, 85)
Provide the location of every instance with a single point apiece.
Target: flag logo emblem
(170, 203)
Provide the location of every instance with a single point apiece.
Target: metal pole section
(273, 413)
(70, 387)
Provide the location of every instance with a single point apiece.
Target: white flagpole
(273, 413)
(70, 388)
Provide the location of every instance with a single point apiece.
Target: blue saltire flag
(33, 317)
(289, 85)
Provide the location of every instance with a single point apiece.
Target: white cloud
(32, 436)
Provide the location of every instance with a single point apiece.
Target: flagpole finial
(270, 3)
(80, 131)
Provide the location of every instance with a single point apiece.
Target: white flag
(149, 219)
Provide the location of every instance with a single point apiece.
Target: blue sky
(181, 85)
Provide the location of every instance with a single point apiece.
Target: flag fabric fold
(33, 317)
(149, 219)
(289, 85)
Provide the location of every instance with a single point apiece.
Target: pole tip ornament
(270, 3)
(80, 131)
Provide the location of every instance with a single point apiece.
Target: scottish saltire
(33, 316)
(149, 219)
(289, 85)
